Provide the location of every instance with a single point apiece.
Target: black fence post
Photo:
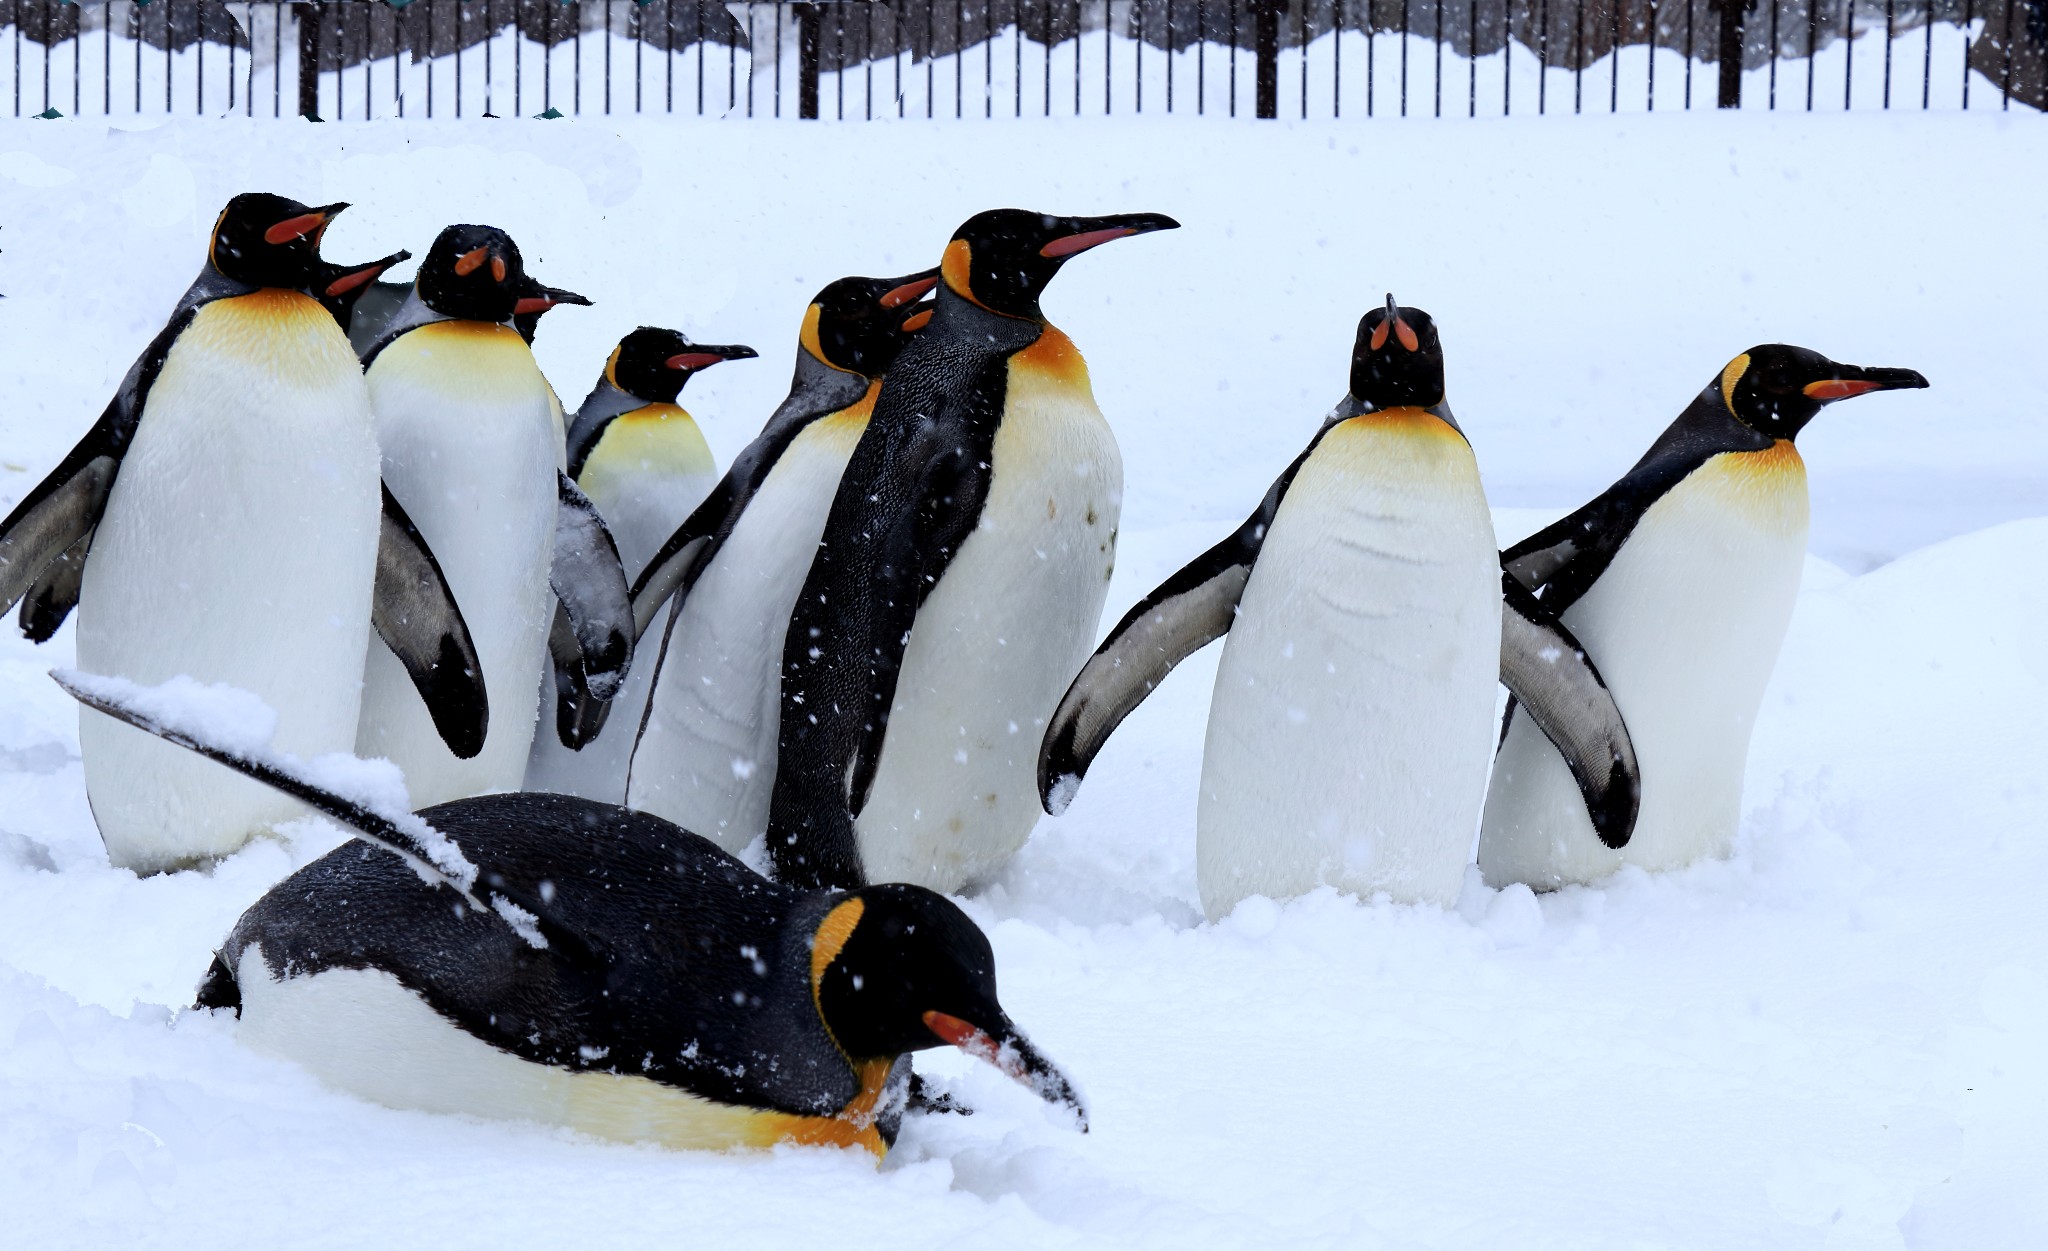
(810, 20)
(1266, 48)
(308, 18)
(1732, 12)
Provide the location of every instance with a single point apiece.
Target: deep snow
(1838, 1037)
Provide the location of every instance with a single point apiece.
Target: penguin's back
(1352, 721)
(238, 545)
(1685, 624)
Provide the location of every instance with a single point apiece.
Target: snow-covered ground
(1838, 1037)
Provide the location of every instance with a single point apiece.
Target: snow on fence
(1016, 58)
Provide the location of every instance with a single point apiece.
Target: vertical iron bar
(1578, 54)
(1302, 37)
(1507, 57)
(1077, 58)
(1107, 42)
(1138, 58)
(1404, 58)
(107, 58)
(839, 63)
(607, 63)
(1650, 103)
(1169, 57)
(1614, 56)
(1889, 6)
(1266, 54)
(1848, 50)
(1472, 62)
(1437, 80)
(2005, 74)
(1201, 56)
(1969, 20)
(1337, 59)
(1812, 46)
(778, 60)
(808, 17)
(1233, 58)
(1729, 57)
(1690, 7)
(1774, 55)
(1542, 57)
(576, 57)
(1016, 58)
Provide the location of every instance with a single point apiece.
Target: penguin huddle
(872, 668)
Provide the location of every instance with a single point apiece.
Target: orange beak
(1840, 388)
(1085, 240)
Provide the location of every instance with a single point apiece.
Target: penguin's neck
(960, 320)
(605, 403)
(818, 388)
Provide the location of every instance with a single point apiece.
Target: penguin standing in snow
(1679, 580)
(705, 758)
(1352, 721)
(963, 567)
(550, 959)
(473, 447)
(223, 520)
(639, 457)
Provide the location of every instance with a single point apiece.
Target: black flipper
(580, 716)
(1184, 614)
(55, 594)
(416, 615)
(430, 853)
(1556, 682)
(55, 518)
(590, 583)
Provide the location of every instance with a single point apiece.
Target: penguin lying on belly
(552, 959)
(705, 752)
(1353, 714)
(961, 573)
(1679, 579)
(640, 459)
(473, 443)
(223, 519)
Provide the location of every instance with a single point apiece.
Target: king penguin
(1679, 579)
(1352, 721)
(705, 758)
(473, 446)
(639, 457)
(549, 959)
(962, 571)
(223, 520)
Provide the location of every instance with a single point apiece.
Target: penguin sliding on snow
(222, 520)
(705, 756)
(639, 457)
(963, 567)
(1679, 579)
(473, 446)
(546, 958)
(1353, 716)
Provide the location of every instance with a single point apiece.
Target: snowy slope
(1839, 1037)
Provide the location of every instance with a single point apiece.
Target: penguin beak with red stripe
(1002, 259)
(1776, 388)
(1012, 1054)
(340, 286)
(703, 356)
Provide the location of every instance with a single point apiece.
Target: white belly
(1353, 716)
(361, 1031)
(471, 443)
(994, 648)
(641, 508)
(707, 758)
(238, 545)
(1685, 626)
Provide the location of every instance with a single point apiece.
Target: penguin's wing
(58, 516)
(431, 854)
(590, 584)
(673, 570)
(1186, 613)
(416, 615)
(55, 594)
(1552, 678)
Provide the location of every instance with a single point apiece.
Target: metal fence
(1016, 58)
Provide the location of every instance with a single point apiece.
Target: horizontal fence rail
(347, 59)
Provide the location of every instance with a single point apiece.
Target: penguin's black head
(898, 968)
(1776, 389)
(652, 364)
(475, 273)
(1003, 258)
(859, 324)
(263, 240)
(1397, 361)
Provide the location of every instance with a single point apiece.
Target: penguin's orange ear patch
(469, 262)
(1379, 335)
(917, 321)
(1406, 334)
(497, 269)
(1839, 388)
